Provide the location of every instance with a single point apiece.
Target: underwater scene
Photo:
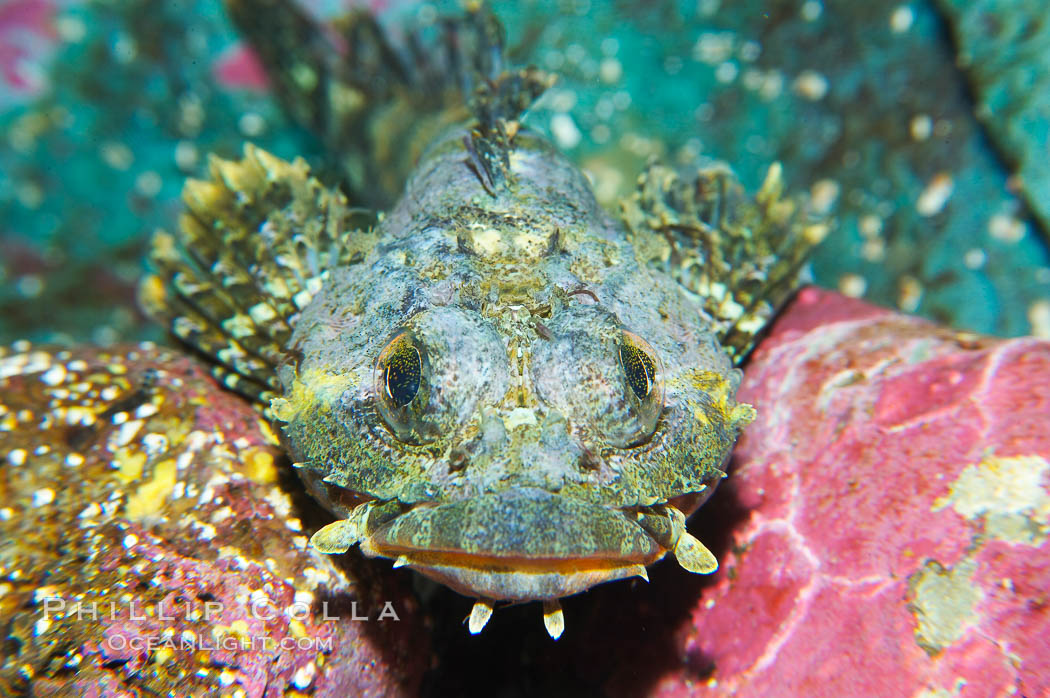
(557, 347)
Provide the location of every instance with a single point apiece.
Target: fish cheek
(336, 440)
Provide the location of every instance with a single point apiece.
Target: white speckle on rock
(974, 258)
(16, 456)
(43, 497)
(154, 443)
(936, 194)
(90, 511)
(127, 432)
(54, 375)
(610, 71)
(901, 19)
(184, 460)
(1006, 228)
(304, 676)
(714, 47)
(853, 285)
(920, 127)
(810, 85)
(205, 531)
(251, 124)
(1039, 318)
(726, 72)
(221, 514)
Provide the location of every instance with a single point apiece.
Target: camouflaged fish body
(498, 385)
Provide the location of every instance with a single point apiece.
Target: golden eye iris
(402, 389)
(402, 371)
(643, 393)
(638, 366)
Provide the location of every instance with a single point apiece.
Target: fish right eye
(402, 370)
(402, 390)
(638, 367)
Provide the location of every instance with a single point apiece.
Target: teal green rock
(1004, 49)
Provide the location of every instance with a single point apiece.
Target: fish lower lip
(503, 579)
(517, 545)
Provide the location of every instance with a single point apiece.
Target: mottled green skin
(532, 446)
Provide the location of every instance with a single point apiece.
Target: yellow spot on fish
(487, 241)
(152, 294)
(267, 433)
(282, 409)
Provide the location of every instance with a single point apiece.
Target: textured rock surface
(897, 495)
(1004, 47)
(132, 486)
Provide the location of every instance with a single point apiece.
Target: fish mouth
(520, 545)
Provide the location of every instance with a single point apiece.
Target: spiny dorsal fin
(374, 103)
(497, 107)
(254, 246)
(740, 255)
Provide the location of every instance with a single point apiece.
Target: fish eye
(432, 373)
(638, 366)
(401, 387)
(643, 391)
(605, 379)
(402, 369)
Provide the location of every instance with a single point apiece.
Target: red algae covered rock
(151, 542)
(894, 501)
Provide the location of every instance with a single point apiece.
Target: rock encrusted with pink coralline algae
(896, 499)
(151, 543)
